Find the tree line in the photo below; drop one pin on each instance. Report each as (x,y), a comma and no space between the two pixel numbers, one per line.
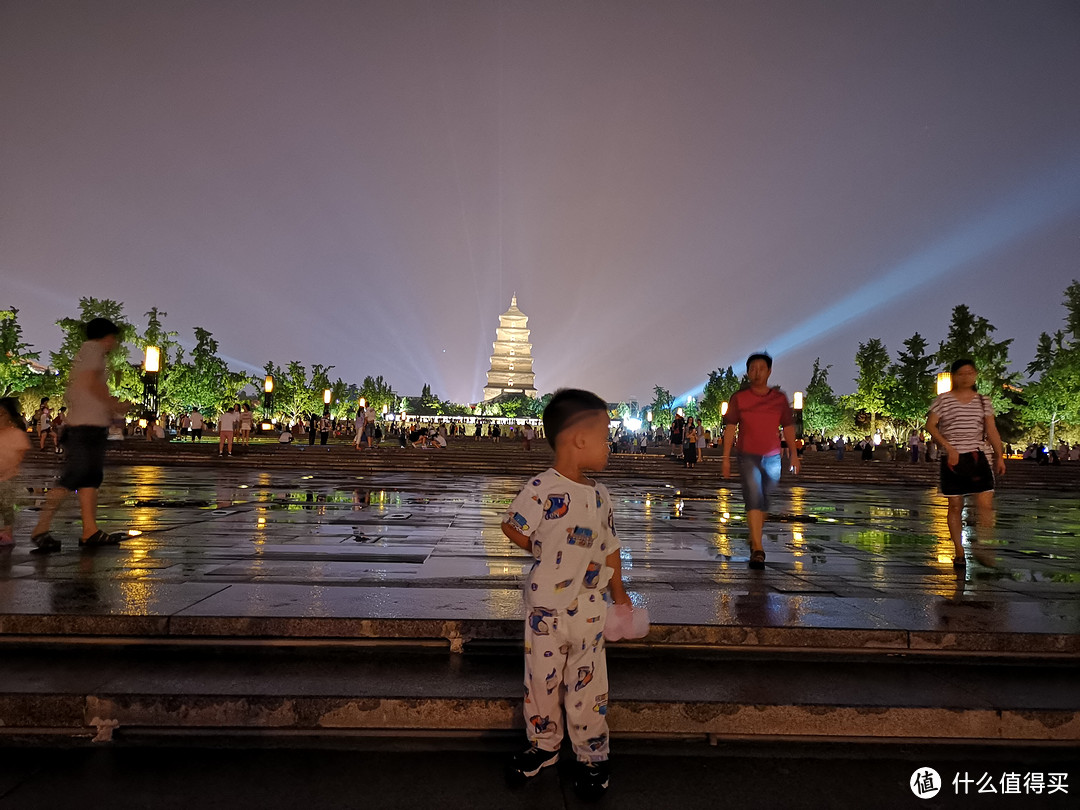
(892,394)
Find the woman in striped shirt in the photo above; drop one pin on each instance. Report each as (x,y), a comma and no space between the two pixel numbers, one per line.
(961,421)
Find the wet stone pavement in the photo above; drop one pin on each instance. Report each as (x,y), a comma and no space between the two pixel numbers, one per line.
(278,544)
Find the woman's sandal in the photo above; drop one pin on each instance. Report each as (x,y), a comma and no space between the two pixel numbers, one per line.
(959,563)
(757,560)
(99,538)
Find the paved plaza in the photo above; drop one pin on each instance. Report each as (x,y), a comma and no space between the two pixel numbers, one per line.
(212,543)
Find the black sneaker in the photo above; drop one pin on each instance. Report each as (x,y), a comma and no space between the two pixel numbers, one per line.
(528,763)
(591,779)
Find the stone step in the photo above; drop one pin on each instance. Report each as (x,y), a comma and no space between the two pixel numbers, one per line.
(104,690)
(460,635)
(463,457)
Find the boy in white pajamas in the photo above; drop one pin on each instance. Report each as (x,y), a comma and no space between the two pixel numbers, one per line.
(565,520)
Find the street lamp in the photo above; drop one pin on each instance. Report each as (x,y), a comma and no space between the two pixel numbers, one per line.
(944,382)
(363,402)
(723,408)
(797,405)
(326,396)
(151,371)
(268,398)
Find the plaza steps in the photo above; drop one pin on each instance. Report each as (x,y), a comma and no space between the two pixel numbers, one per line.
(110,690)
(463,456)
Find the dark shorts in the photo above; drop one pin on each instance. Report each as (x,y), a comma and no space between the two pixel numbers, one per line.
(971,474)
(84,456)
(759,476)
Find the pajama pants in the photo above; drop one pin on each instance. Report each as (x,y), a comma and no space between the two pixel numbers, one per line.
(566,684)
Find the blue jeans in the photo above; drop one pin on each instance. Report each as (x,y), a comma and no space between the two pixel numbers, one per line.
(759,476)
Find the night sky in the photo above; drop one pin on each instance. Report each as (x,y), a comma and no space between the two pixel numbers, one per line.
(665,185)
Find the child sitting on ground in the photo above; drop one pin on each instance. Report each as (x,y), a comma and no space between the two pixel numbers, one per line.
(13,446)
(565,520)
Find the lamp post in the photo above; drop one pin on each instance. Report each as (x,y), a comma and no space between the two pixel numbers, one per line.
(797,406)
(327,394)
(268,398)
(151,371)
(944,382)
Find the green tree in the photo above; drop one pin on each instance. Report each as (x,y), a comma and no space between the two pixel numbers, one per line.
(123,377)
(972,336)
(873,381)
(205,382)
(378,393)
(1052,397)
(721,387)
(822,412)
(17,374)
(662,407)
(913,391)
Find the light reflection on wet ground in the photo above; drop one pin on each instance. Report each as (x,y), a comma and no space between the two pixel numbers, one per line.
(250,542)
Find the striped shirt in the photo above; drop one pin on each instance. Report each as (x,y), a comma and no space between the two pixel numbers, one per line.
(963,426)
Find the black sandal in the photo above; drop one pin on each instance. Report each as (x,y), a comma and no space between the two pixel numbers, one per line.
(99,538)
(45,542)
(757,560)
(959,563)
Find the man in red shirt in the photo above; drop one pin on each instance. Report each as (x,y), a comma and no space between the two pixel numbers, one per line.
(760,412)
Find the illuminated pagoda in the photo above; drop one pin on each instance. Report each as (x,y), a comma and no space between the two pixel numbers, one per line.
(511,369)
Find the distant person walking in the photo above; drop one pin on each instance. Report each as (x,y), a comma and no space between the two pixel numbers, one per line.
(961,423)
(757,412)
(13,446)
(247,421)
(43,422)
(690,449)
(91,410)
(58,423)
(196,425)
(226,427)
(313,428)
(370,423)
(324,427)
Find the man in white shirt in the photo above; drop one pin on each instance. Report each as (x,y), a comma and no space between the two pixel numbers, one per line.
(90,412)
(196,425)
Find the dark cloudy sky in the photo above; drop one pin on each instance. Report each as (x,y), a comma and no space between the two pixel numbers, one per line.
(666,185)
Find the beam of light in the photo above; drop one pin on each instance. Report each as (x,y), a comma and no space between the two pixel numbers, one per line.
(1050,198)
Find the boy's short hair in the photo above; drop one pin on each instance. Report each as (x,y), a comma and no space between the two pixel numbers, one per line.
(959,364)
(101,327)
(11,405)
(759,356)
(564,409)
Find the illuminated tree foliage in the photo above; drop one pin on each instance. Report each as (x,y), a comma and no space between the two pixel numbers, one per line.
(722,385)
(972,336)
(822,412)
(662,407)
(1052,398)
(874,382)
(16,372)
(913,385)
(205,382)
(123,377)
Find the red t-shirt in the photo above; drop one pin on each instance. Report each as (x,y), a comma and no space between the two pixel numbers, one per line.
(759,419)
